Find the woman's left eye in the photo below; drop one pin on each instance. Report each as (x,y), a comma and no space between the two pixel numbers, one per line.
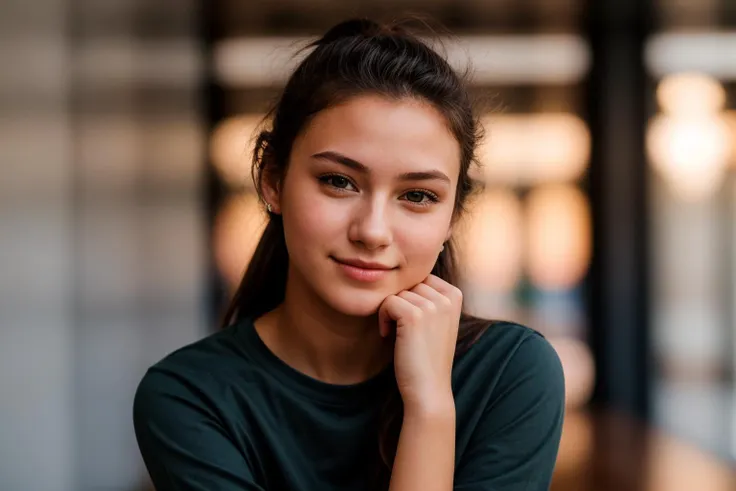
(418,197)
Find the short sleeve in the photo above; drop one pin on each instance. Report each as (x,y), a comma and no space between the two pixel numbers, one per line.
(514,447)
(183,445)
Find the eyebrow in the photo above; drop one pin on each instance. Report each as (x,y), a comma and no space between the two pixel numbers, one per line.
(363,169)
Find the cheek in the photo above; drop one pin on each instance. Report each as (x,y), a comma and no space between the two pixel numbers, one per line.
(310,222)
(421,243)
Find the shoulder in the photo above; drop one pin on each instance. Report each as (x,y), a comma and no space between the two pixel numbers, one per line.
(188,428)
(193,374)
(222,345)
(528,349)
(511,406)
(508,356)
(215,355)
(515,344)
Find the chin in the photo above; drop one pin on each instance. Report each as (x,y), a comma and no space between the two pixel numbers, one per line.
(357,303)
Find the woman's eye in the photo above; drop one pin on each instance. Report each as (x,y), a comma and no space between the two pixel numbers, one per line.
(415,196)
(423,198)
(337,181)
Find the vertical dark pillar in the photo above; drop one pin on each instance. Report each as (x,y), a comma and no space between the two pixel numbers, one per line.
(618,93)
(213,100)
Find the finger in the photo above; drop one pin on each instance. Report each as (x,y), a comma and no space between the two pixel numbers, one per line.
(417,300)
(393,310)
(450,291)
(431,294)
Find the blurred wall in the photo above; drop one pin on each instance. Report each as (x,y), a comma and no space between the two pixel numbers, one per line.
(100,226)
(36,213)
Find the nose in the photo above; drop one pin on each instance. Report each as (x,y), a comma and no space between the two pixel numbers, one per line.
(370,225)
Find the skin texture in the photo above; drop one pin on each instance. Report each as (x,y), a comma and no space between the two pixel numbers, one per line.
(374,179)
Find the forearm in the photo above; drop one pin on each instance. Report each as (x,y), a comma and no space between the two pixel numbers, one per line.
(425,456)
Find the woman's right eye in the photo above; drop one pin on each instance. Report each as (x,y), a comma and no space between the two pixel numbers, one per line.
(337,181)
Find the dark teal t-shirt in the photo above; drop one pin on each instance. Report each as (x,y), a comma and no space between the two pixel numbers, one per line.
(225,414)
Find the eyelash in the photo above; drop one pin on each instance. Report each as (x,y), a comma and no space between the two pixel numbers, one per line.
(431,197)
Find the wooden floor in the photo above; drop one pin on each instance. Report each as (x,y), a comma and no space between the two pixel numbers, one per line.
(609,452)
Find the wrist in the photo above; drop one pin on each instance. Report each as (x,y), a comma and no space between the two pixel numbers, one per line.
(439,407)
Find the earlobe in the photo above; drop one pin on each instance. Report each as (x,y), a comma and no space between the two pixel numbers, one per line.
(271,208)
(270,193)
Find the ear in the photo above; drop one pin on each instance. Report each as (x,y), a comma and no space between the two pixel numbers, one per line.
(271,190)
(449,233)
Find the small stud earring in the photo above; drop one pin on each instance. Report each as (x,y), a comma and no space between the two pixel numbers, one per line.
(269,208)
(442,248)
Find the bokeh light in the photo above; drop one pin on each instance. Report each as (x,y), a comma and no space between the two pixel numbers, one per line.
(231,148)
(691,153)
(579,368)
(238,228)
(535,148)
(690,144)
(690,94)
(490,241)
(558,241)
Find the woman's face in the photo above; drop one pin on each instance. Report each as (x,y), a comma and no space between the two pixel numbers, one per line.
(367,200)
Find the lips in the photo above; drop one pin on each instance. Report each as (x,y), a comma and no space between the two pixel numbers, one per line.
(358,263)
(362,271)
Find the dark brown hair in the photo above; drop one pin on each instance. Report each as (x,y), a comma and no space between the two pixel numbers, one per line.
(357,57)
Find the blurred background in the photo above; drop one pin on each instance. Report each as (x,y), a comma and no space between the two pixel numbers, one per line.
(608,220)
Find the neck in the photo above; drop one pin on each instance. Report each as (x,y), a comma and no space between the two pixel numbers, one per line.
(315,339)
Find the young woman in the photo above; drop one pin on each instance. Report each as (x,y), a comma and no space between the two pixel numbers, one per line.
(346,361)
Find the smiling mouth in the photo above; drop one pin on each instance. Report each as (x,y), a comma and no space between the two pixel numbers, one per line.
(357,263)
(362,271)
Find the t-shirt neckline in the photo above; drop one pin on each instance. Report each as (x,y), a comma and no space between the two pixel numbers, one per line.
(334,394)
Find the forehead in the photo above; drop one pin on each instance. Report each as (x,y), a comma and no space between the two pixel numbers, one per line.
(385,134)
